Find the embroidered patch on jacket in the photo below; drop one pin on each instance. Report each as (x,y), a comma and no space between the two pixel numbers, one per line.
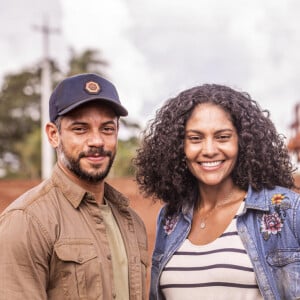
(272,222)
(170,224)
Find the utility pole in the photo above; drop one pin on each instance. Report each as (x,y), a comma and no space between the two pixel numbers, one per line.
(47,156)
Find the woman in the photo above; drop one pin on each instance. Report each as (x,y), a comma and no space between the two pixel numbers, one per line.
(230,227)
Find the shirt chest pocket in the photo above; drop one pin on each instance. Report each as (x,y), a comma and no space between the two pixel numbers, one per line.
(286,267)
(77,270)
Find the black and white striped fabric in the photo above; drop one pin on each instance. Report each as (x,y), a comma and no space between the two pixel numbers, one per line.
(218,270)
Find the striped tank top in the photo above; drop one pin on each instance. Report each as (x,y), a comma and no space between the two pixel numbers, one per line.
(218,270)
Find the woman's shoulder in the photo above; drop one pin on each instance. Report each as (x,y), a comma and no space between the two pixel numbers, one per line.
(268,193)
(282,192)
(279,197)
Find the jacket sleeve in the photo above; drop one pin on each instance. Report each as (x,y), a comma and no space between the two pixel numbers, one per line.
(23,257)
(297,220)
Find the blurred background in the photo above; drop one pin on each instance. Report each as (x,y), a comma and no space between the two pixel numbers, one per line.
(151,50)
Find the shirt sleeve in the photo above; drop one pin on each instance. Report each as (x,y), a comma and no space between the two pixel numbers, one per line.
(24,255)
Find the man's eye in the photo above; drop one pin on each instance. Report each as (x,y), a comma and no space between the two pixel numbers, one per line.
(78,129)
(109,129)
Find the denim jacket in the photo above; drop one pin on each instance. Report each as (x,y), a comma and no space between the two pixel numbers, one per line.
(269,228)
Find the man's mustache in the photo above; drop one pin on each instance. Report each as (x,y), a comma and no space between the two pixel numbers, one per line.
(96,151)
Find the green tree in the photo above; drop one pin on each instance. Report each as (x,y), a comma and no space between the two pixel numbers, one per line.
(90,61)
(19,119)
(30,155)
(122,166)
(20,132)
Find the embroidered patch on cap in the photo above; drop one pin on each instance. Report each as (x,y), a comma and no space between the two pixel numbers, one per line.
(92,87)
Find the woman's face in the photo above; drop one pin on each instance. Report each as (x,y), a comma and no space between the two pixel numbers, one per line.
(211,144)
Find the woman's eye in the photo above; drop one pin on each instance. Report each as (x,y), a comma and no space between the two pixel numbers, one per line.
(224,137)
(194,138)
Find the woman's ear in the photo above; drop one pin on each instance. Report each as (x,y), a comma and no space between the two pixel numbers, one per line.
(53,134)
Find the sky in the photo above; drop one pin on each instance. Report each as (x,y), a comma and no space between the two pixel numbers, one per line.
(158,48)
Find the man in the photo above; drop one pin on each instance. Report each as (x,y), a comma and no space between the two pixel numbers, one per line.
(74,236)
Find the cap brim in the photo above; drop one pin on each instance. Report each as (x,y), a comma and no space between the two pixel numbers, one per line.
(119,109)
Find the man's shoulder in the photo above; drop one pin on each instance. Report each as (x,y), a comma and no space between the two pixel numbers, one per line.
(31,198)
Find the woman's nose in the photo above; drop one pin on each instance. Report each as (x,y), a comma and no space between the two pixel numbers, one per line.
(209,147)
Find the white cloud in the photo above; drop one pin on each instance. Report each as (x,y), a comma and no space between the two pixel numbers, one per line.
(21,44)
(105,25)
(157,48)
(250,45)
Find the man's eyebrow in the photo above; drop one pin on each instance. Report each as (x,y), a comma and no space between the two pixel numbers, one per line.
(78,123)
(109,122)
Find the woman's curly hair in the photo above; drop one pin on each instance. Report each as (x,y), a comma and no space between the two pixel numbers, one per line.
(161,169)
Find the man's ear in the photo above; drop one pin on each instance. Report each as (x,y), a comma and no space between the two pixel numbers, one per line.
(53,134)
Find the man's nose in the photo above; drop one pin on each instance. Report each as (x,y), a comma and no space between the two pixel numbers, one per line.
(95,139)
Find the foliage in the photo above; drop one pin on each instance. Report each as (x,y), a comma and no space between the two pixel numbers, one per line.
(122,166)
(20,133)
(19,107)
(90,61)
(30,158)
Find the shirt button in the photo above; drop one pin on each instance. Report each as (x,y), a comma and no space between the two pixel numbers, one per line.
(80,259)
(108,257)
(98,221)
(114,295)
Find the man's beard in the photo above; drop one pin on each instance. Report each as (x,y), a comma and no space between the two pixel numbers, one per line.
(74,164)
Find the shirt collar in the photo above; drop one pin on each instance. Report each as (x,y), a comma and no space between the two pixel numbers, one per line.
(73,192)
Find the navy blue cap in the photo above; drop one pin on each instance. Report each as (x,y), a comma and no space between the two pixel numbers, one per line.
(79,89)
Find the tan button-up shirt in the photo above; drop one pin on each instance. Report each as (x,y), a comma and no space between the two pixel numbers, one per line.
(54,245)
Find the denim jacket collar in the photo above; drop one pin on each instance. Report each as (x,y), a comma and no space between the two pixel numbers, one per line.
(257,200)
